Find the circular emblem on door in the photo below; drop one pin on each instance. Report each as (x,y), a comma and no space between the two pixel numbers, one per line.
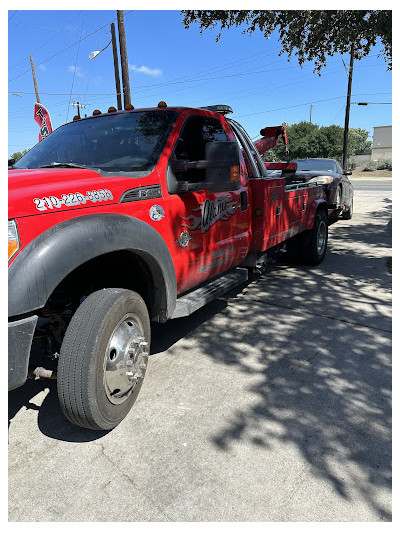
(184,239)
(156,212)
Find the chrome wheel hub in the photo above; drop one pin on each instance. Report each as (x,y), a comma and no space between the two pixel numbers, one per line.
(125,359)
(321,238)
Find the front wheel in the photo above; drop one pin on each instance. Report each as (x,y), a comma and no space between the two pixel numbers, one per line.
(347,215)
(103,358)
(315,240)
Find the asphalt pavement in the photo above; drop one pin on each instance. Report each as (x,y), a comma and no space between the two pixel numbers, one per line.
(272,404)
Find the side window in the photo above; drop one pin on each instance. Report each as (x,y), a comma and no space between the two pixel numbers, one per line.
(191,145)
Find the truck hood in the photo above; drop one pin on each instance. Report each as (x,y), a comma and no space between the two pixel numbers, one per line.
(29,189)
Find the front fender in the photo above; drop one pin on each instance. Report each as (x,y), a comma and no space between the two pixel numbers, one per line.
(50,257)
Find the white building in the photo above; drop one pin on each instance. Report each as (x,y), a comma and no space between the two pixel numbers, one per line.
(382,143)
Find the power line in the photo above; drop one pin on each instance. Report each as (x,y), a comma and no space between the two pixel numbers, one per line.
(13,15)
(76,62)
(67,48)
(44,44)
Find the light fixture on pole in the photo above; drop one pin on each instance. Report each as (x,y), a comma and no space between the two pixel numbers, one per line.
(94,54)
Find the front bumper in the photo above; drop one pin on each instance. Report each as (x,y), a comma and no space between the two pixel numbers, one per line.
(20,335)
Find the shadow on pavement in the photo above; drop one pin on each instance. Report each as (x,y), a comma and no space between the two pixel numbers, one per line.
(322,364)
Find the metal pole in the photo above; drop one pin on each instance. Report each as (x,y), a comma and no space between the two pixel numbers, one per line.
(124,57)
(116,68)
(347,117)
(34,81)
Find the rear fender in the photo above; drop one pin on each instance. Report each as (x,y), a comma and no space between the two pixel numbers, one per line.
(49,258)
(316,205)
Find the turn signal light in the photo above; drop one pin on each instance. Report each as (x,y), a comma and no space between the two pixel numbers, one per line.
(235,173)
(162,104)
(13,238)
(128,106)
(96,112)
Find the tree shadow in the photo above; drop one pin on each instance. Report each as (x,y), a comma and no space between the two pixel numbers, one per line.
(316,343)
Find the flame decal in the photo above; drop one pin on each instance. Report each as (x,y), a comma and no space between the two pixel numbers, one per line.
(210,212)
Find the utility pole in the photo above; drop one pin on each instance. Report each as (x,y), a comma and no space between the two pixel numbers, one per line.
(124,57)
(347,117)
(78,105)
(311,106)
(34,81)
(116,69)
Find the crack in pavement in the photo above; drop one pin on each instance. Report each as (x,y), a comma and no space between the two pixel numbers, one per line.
(131,481)
(322,315)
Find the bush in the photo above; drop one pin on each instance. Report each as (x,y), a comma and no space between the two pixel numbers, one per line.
(352,163)
(370,166)
(384,164)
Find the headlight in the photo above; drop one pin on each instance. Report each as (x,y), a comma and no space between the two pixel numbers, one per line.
(13,238)
(321,179)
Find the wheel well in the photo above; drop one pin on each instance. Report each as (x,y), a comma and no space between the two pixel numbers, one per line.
(121,269)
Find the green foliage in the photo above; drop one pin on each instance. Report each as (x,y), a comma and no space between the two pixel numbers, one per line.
(310,35)
(17,155)
(370,166)
(358,142)
(309,140)
(384,164)
(352,163)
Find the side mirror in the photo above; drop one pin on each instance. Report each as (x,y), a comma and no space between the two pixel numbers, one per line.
(223,166)
(11,162)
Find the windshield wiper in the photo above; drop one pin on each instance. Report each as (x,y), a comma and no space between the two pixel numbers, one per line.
(63,165)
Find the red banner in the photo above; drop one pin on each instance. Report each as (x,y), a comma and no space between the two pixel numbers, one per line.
(42,117)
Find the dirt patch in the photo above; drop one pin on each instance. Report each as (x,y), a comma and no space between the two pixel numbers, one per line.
(359,173)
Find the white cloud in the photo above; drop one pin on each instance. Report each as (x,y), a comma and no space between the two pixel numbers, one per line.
(146,70)
(42,67)
(78,71)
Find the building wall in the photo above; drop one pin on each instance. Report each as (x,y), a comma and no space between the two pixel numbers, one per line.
(362,158)
(382,143)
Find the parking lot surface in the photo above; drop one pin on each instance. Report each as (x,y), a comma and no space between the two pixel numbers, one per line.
(272,404)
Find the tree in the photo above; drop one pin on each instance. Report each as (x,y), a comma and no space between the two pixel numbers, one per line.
(17,155)
(309,140)
(310,35)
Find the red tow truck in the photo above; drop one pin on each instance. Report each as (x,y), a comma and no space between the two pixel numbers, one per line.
(133,216)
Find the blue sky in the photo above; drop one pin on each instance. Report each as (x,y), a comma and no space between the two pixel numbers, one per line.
(182,67)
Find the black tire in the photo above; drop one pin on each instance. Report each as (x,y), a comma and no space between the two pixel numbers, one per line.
(294,249)
(347,215)
(315,240)
(103,358)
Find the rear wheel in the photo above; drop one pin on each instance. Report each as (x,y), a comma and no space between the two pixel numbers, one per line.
(103,358)
(315,240)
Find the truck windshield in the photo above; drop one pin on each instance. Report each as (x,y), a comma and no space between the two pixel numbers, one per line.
(120,142)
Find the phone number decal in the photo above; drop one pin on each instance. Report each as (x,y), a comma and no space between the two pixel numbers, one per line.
(70,199)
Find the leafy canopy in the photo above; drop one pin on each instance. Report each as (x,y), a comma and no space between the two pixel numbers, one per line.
(310,35)
(309,140)
(17,155)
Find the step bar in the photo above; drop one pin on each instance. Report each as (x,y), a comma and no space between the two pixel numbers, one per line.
(194,300)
